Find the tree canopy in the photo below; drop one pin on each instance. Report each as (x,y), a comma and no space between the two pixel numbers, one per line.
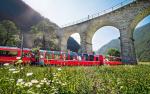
(44,34)
(113,52)
(9,33)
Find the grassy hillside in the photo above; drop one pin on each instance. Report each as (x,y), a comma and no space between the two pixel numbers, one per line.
(142,43)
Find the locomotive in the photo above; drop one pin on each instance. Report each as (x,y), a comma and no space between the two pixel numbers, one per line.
(57,58)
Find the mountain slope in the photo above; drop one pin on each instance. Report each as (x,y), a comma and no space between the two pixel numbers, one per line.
(142,43)
(112,44)
(24,17)
(20,13)
(73,45)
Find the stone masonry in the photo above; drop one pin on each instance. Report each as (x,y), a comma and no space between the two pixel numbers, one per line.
(125,19)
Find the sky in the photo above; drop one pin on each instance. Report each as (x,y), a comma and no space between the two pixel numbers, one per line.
(63,12)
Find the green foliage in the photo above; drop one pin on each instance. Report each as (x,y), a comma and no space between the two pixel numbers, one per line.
(9,34)
(45,36)
(113,52)
(129,79)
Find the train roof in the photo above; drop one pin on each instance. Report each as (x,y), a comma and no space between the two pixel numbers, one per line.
(12,48)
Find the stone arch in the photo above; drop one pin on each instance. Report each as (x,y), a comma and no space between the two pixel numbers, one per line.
(116,30)
(86,39)
(142,27)
(97,24)
(141,15)
(64,39)
(139,18)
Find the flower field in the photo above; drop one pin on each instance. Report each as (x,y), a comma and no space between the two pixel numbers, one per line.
(125,79)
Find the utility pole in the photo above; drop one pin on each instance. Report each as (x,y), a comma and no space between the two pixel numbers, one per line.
(21,45)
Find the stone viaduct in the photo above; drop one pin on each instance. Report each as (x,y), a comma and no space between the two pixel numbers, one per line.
(124,18)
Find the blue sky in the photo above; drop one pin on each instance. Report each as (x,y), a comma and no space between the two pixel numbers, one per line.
(65,11)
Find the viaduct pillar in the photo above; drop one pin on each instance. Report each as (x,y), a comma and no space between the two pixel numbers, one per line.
(63,43)
(127,46)
(86,45)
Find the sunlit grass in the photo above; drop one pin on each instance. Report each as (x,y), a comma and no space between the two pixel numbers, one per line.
(144,63)
(75,80)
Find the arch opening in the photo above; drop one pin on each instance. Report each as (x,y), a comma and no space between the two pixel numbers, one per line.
(142,40)
(105,38)
(73,43)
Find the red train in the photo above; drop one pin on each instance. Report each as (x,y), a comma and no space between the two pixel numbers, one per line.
(44,57)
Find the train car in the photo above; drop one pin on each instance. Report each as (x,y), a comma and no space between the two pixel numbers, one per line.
(57,58)
(11,54)
(70,59)
(112,60)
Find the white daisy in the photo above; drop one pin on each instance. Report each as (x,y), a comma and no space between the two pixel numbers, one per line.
(6,64)
(34,81)
(29,74)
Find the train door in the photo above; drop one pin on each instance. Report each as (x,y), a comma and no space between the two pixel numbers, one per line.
(41,57)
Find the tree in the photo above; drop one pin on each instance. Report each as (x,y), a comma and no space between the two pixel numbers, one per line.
(9,34)
(113,52)
(45,36)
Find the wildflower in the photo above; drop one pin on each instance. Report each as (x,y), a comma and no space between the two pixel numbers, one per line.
(34,81)
(45,79)
(38,86)
(21,68)
(29,74)
(6,64)
(47,83)
(41,83)
(19,61)
(59,69)
(20,84)
(16,71)
(18,58)
(64,84)
(28,84)
(19,80)
(31,92)
(11,79)
(121,87)
(12,69)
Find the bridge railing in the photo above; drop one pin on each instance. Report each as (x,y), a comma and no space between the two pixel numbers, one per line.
(89,17)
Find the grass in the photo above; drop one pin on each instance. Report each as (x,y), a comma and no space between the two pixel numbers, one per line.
(125,79)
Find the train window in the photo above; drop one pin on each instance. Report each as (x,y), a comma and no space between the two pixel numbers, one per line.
(96,58)
(79,57)
(41,54)
(26,54)
(85,57)
(73,56)
(56,55)
(91,57)
(49,56)
(65,56)
(8,53)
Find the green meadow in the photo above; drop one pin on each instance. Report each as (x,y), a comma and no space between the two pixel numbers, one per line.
(124,79)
